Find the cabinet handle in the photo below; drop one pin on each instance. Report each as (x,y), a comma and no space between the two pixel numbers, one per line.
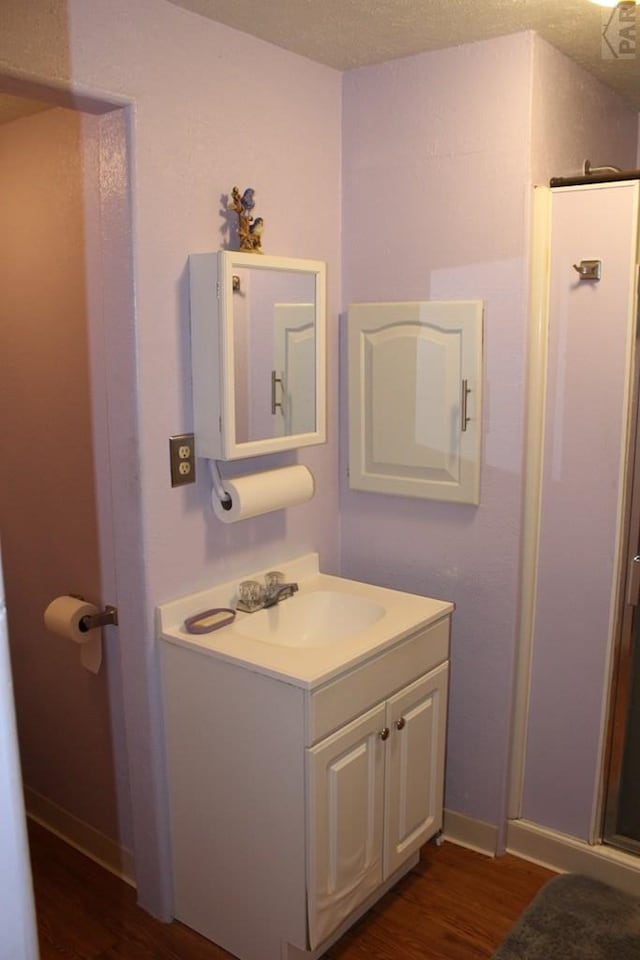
(384,733)
(275,404)
(466,390)
(400,723)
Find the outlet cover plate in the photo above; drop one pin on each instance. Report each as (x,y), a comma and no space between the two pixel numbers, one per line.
(182,452)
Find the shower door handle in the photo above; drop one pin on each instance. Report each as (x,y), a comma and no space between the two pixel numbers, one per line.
(633,594)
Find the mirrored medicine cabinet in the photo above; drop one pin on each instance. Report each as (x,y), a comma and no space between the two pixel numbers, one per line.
(258,339)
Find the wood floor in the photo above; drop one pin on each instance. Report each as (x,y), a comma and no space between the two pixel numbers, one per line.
(455,905)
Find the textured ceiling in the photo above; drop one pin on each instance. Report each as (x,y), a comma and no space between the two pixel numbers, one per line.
(354,33)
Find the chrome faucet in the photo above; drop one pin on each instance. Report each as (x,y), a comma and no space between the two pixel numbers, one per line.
(257,596)
(281,592)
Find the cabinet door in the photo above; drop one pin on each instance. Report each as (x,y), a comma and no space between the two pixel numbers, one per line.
(345,778)
(414,778)
(415,384)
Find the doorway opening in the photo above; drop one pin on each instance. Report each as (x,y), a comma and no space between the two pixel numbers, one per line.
(67,322)
(621,813)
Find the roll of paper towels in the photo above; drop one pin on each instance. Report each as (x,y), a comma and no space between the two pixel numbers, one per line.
(63,616)
(259,493)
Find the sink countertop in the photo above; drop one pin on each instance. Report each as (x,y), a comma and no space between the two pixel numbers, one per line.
(306,667)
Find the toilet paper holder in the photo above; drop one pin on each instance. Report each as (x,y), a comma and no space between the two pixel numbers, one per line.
(108,617)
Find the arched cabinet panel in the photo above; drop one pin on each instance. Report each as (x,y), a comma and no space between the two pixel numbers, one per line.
(415,391)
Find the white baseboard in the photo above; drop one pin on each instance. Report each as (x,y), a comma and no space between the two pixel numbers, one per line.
(569,855)
(81,835)
(468,832)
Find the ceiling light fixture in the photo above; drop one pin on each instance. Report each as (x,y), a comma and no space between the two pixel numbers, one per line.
(615,3)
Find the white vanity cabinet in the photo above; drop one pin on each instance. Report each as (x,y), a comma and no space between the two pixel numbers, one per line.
(374,797)
(295,804)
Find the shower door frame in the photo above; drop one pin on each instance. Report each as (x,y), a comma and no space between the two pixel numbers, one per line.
(522,835)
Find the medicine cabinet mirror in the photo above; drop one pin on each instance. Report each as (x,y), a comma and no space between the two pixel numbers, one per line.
(258,329)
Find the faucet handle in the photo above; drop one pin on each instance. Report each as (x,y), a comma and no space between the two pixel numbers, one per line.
(273,579)
(251,595)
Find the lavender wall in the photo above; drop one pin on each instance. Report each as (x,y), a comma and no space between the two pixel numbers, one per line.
(211,108)
(440,151)
(575,118)
(435,206)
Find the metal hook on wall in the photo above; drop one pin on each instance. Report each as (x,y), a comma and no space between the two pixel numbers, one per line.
(589,269)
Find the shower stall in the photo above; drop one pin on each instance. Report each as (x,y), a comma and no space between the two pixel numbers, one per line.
(576,744)
(621,820)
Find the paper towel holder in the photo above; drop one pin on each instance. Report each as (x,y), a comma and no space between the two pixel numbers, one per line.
(218,487)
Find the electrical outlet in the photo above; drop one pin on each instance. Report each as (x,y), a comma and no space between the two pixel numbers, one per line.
(182,451)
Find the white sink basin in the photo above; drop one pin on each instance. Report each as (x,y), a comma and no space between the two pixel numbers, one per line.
(317,619)
(330,625)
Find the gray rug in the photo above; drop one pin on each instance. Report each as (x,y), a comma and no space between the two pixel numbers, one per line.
(576,918)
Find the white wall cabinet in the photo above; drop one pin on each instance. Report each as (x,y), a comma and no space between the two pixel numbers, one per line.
(294,808)
(259,376)
(415,399)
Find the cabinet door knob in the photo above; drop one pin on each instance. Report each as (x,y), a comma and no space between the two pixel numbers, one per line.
(400,722)
(384,733)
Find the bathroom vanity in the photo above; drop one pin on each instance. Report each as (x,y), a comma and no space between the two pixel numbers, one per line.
(305,753)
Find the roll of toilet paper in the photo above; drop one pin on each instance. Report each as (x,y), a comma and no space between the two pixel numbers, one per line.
(260,493)
(63,616)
